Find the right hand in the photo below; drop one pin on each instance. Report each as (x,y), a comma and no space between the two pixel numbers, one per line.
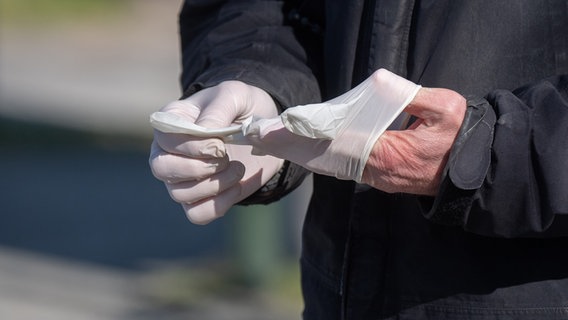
(206,176)
(413,160)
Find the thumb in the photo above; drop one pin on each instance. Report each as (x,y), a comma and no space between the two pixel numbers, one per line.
(217,113)
(225,104)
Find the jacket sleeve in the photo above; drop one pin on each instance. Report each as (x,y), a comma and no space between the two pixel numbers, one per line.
(250,41)
(507,175)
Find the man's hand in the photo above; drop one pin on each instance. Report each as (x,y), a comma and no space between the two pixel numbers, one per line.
(412,160)
(206,176)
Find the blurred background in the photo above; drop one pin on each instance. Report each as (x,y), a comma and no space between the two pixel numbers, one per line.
(86,232)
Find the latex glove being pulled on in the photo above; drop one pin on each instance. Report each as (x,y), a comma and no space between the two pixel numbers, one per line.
(335,138)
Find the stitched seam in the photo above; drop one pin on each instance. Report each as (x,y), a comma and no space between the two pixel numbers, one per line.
(495,310)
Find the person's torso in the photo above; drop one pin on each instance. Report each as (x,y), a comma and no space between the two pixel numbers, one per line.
(376,251)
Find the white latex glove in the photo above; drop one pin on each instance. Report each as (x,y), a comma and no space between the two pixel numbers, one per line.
(336,137)
(204,174)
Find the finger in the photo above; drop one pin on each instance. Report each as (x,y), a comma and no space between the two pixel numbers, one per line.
(187,108)
(189,146)
(218,114)
(209,209)
(422,104)
(434,104)
(174,168)
(224,108)
(193,191)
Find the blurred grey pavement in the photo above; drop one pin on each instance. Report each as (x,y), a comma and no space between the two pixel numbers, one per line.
(85,231)
(36,287)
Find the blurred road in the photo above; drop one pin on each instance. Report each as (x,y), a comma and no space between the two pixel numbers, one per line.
(36,287)
(84,233)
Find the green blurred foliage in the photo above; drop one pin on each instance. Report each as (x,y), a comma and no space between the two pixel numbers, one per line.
(198,284)
(34,12)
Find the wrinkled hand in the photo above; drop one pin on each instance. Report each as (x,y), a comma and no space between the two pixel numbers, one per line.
(336,137)
(412,160)
(204,174)
(409,161)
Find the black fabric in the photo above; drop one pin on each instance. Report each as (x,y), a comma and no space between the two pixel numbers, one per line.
(288,178)
(248,41)
(529,184)
(491,244)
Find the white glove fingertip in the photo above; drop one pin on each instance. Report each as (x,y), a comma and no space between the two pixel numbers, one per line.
(198,213)
(204,212)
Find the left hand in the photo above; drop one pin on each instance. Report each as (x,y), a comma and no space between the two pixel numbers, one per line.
(412,160)
(203,174)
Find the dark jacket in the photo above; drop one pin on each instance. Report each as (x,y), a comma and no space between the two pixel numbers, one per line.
(493,244)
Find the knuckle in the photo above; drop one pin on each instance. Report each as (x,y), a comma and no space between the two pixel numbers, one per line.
(159,170)
(457,107)
(453,106)
(234,86)
(172,106)
(380,76)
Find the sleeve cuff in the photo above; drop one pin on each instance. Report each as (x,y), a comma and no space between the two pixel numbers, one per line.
(467,167)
